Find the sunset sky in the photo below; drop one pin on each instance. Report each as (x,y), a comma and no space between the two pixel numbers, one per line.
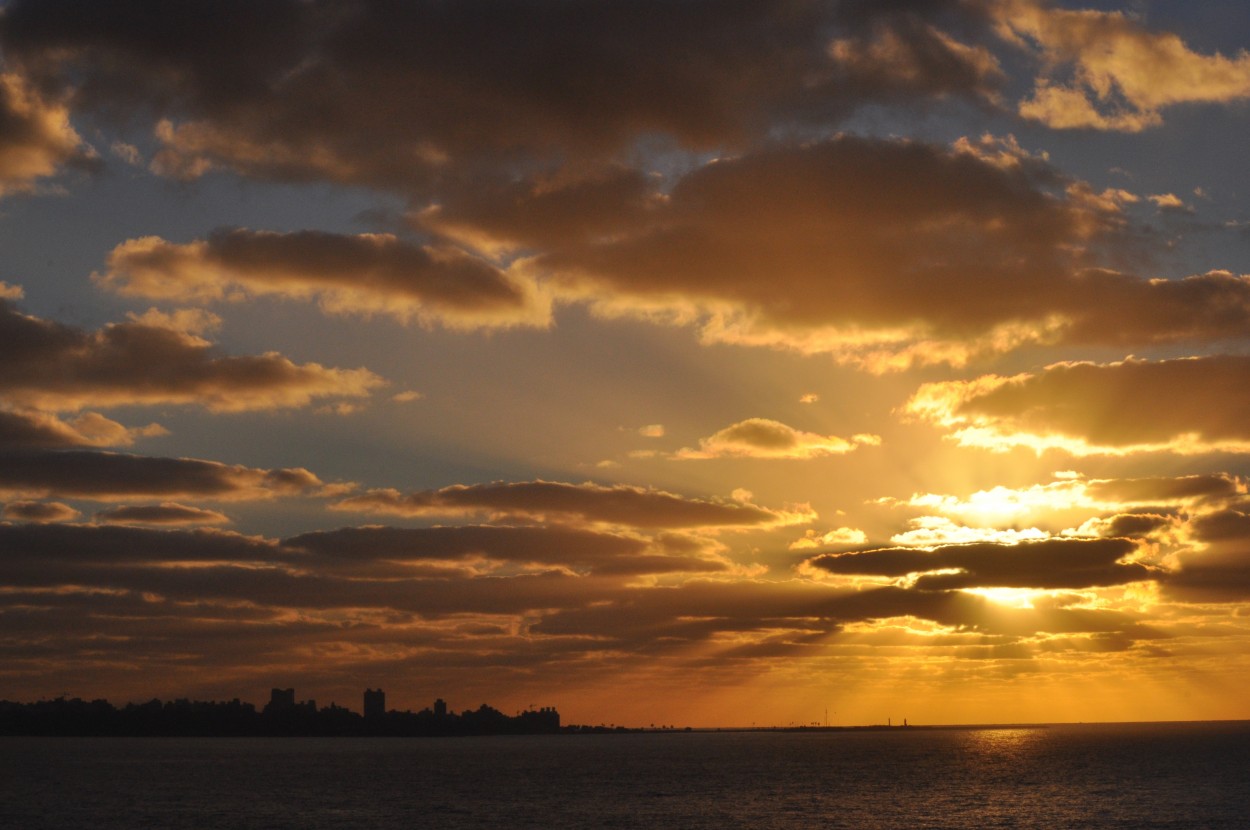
(705,362)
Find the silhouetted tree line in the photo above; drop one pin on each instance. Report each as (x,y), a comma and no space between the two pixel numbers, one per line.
(183,717)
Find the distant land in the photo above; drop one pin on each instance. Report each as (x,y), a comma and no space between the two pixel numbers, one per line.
(283,716)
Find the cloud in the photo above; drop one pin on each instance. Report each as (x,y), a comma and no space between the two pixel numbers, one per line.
(361,274)
(905,52)
(1119,75)
(926,531)
(765,438)
(1000,505)
(39,511)
(289,90)
(799,247)
(1170,202)
(846,536)
(621,505)
(41,430)
(165,513)
(1217,569)
(583,551)
(56,367)
(36,138)
(1045,564)
(108,476)
(1185,406)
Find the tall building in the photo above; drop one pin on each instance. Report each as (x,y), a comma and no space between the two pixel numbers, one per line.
(375,703)
(440,708)
(281,698)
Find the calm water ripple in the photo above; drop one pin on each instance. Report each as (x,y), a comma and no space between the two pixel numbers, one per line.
(1106,776)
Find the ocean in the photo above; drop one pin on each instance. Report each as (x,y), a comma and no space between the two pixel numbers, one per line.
(1182,775)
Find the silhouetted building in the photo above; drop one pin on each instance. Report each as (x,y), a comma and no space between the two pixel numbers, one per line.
(281,699)
(546,719)
(375,703)
(440,708)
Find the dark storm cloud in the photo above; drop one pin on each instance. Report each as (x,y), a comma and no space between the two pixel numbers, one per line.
(107,476)
(394,93)
(1052,563)
(57,367)
(619,505)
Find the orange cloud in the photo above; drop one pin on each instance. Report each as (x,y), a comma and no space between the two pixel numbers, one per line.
(1121,75)
(41,430)
(165,513)
(55,367)
(39,511)
(621,505)
(37,139)
(1186,406)
(799,248)
(765,438)
(363,274)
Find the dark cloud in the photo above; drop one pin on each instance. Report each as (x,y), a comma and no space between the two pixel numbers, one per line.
(1219,570)
(363,274)
(166,513)
(396,93)
(1207,487)
(56,367)
(618,505)
(1048,564)
(108,476)
(1134,525)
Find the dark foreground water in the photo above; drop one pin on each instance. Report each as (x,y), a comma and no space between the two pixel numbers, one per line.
(1128,776)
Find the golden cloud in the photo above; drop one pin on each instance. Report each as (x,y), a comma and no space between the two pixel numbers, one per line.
(1186,406)
(801,248)
(42,430)
(766,438)
(37,138)
(1122,76)
(363,274)
(165,513)
(621,505)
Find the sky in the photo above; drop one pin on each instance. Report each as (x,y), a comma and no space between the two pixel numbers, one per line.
(695,362)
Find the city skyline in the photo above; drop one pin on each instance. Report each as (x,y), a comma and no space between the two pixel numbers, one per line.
(694,361)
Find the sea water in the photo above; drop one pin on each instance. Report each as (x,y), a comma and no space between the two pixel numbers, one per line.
(1194,775)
